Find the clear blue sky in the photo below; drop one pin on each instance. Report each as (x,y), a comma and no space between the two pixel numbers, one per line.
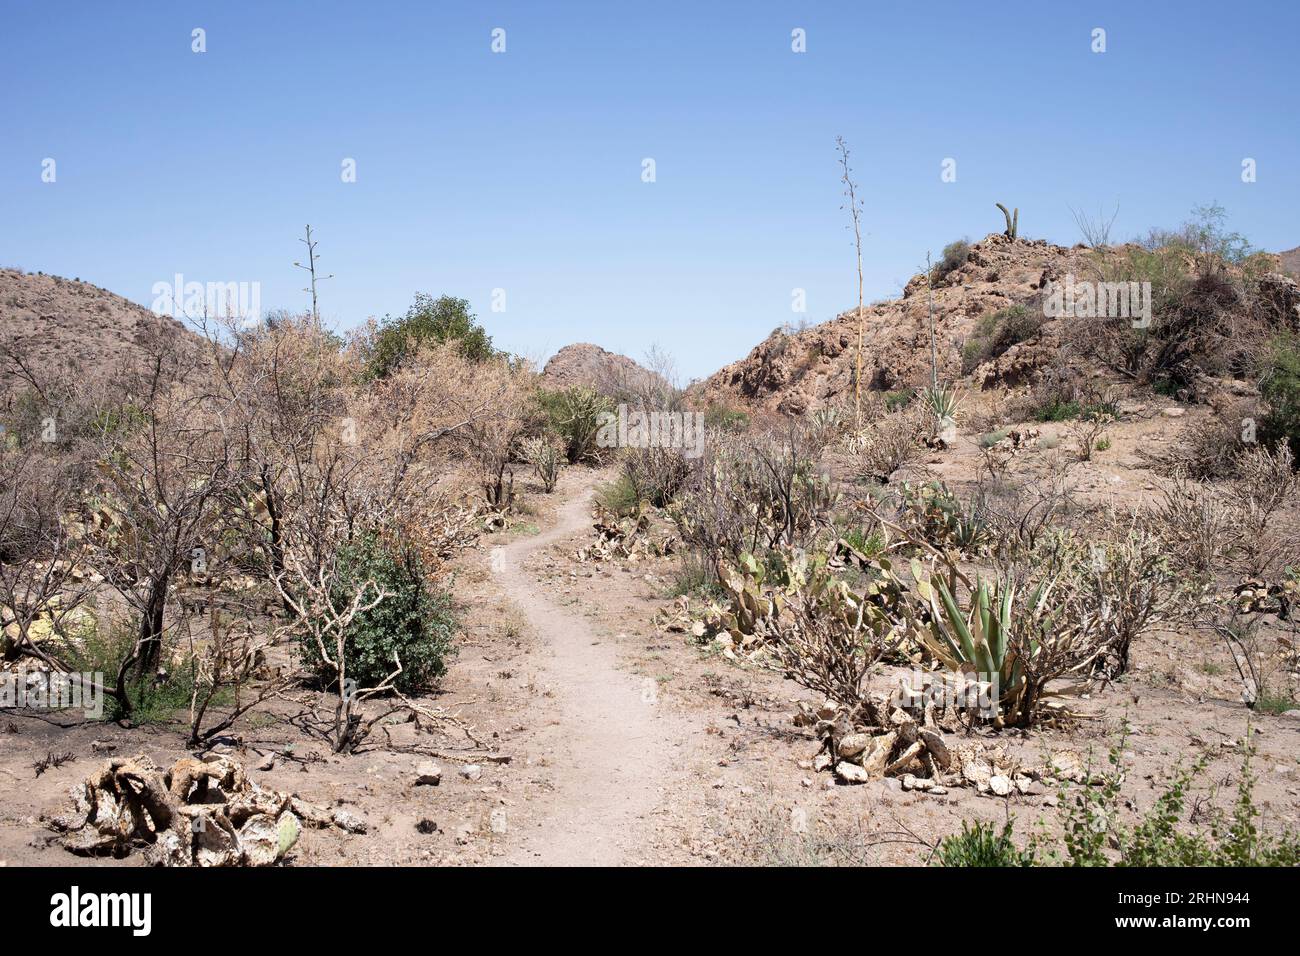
(522,170)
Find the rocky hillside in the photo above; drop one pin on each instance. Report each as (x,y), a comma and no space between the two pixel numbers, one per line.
(793,373)
(54,322)
(1291,261)
(607,372)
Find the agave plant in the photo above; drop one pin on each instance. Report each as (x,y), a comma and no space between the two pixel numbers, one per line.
(1016,648)
(826,423)
(942,402)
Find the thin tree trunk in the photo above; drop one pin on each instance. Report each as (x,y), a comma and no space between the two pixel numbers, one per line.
(151,627)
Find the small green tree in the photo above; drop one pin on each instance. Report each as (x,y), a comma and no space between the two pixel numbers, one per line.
(428,320)
(413,622)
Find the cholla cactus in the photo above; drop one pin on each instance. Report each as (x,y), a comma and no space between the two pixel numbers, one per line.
(546,458)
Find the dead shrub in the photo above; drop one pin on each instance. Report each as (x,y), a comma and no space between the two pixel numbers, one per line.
(1267,483)
(1211,446)
(656,475)
(1194,526)
(889,443)
(1126,587)
(753,494)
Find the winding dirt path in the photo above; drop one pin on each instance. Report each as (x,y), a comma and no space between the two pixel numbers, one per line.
(613,750)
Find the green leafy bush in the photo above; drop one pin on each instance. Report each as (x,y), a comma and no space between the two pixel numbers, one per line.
(619,496)
(154,698)
(724,418)
(576,415)
(427,321)
(415,622)
(954,256)
(997,332)
(1162,837)
(989,439)
(900,399)
(870,544)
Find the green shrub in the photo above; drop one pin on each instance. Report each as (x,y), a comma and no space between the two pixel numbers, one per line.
(618,496)
(954,257)
(997,332)
(1162,837)
(870,545)
(900,399)
(1057,411)
(156,698)
(428,320)
(1280,386)
(982,845)
(414,622)
(989,439)
(695,576)
(724,418)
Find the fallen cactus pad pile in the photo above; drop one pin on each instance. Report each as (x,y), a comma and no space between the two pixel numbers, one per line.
(197,813)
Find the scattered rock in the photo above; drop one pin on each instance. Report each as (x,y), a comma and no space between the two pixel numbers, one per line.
(471,771)
(853,744)
(428,774)
(851,773)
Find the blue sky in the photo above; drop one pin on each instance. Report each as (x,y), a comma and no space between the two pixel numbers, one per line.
(523,170)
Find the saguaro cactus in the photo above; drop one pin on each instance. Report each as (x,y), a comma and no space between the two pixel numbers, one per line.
(1013,221)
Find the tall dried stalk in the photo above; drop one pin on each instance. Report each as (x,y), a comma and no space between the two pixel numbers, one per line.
(855,210)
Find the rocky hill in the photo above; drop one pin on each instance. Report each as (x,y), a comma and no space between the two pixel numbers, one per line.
(795,372)
(594,367)
(1291,261)
(91,333)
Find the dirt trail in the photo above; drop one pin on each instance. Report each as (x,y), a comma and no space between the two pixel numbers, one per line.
(614,748)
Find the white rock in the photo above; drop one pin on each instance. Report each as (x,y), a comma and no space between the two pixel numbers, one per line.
(851,772)
(471,771)
(428,774)
(853,744)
